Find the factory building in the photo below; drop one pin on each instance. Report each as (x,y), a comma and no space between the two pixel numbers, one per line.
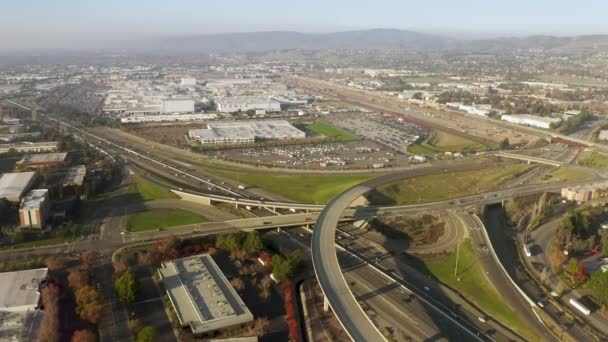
(202,297)
(14,185)
(244,103)
(244,132)
(168,118)
(34,209)
(177,106)
(531,120)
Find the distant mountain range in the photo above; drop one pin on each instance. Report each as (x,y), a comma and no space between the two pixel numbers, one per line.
(375,39)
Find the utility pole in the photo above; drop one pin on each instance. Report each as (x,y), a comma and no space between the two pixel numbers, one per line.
(457,255)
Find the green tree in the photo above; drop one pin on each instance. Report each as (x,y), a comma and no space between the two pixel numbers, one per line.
(230,243)
(599,286)
(282,269)
(605,246)
(126,287)
(253,244)
(146,334)
(504,143)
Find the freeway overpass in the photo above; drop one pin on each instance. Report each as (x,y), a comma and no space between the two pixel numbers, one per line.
(529,159)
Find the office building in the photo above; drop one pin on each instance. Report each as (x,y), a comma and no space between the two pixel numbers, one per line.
(75,176)
(14,185)
(168,118)
(584,193)
(34,209)
(201,295)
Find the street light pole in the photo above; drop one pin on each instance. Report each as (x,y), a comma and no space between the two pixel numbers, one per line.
(457,255)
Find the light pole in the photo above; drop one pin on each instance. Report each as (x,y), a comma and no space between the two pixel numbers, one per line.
(457,255)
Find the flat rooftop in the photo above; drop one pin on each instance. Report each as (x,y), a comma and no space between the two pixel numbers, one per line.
(44,158)
(15,184)
(33,199)
(75,175)
(265,129)
(201,295)
(20,288)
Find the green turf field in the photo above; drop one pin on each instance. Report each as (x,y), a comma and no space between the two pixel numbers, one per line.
(331,131)
(162,218)
(149,191)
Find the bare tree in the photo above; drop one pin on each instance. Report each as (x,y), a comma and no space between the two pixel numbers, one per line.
(238,284)
(78,279)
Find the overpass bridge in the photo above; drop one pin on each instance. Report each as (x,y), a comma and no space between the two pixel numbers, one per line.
(529,159)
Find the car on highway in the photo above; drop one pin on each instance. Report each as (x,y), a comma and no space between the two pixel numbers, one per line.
(482,319)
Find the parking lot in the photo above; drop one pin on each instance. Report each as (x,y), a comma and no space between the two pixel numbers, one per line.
(391,132)
(355,154)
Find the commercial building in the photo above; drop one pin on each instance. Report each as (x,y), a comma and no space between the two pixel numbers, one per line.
(34,209)
(531,120)
(584,193)
(177,106)
(19,303)
(75,176)
(243,132)
(14,185)
(46,159)
(244,103)
(29,147)
(168,118)
(201,295)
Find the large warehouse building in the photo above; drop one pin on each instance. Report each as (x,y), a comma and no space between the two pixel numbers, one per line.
(14,185)
(244,103)
(201,295)
(41,160)
(244,132)
(177,106)
(530,120)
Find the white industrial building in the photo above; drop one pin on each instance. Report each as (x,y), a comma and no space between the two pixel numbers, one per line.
(530,120)
(29,147)
(177,106)
(201,295)
(244,103)
(188,81)
(14,185)
(243,132)
(19,303)
(167,118)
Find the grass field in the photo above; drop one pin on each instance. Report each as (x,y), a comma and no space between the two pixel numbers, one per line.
(162,218)
(565,173)
(331,131)
(149,191)
(439,141)
(315,189)
(592,159)
(473,285)
(439,187)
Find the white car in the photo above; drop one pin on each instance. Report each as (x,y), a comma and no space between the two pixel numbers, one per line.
(482,319)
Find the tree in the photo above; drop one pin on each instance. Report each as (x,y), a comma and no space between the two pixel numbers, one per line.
(253,244)
(89,304)
(49,328)
(599,286)
(282,269)
(84,336)
(78,279)
(126,287)
(238,284)
(55,263)
(146,334)
(230,243)
(504,143)
(86,258)
(605,246)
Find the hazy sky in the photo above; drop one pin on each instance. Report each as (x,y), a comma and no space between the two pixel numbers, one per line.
(64,23)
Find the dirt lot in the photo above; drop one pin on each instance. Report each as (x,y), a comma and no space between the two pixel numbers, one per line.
(416,230)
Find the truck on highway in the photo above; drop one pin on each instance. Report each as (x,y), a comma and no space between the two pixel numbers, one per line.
(580,307)
(527,250)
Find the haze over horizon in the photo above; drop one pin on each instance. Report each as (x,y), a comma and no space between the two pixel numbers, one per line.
(67,24)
